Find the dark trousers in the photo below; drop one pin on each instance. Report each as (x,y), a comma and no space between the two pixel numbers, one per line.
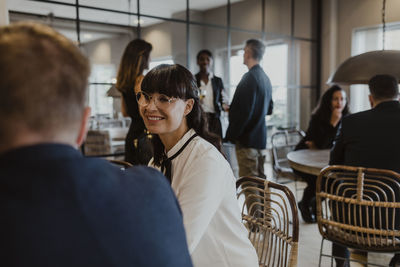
(343,252)
(309,192)
(214,124)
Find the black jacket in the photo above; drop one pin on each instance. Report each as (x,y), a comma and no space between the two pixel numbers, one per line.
(218,87)
(59,208)
(319,131)
(248,110)
(370,138)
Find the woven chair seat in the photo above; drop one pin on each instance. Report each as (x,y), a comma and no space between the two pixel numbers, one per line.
(364,241)
(359,207)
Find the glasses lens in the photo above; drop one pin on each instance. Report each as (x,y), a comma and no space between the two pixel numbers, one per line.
(142,98)
(163,101)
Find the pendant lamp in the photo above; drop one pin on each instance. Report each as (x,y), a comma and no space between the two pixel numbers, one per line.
(361,68)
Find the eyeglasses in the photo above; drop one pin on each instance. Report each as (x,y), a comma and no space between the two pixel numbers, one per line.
(160,100)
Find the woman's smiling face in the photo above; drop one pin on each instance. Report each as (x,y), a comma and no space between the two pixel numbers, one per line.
(166,119)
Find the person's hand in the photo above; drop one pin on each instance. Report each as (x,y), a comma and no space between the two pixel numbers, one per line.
(336,116)
(225,107)
(311,145)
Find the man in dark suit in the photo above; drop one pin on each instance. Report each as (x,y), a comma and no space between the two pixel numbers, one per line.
(212,95)
(247,113)
(57,207)
(371,138)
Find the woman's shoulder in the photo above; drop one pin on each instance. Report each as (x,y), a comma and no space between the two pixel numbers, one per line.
(207,151)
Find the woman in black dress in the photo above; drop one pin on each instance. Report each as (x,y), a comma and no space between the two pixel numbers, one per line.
(320,134)
(135,60)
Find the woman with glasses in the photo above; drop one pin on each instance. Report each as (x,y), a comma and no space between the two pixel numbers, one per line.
(192,161)
(136,57)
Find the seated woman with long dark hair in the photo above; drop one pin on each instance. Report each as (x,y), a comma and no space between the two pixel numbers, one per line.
(320,135)
(192,161)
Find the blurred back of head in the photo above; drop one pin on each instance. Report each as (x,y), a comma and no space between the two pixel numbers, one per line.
(383,87)
(43,81)
(257,48)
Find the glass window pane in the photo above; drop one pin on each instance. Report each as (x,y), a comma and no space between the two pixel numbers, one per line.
(208,11)
(275,65)
(108,17)
(104,56)
(121,5)
(40,8)
(213,39)
(247,15)
(304,62)
(304,17)
(165,9)
(306,106)
(278,16)
(168,40)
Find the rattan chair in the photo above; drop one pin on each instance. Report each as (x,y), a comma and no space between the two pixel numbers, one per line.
(271,220)
(359,208)
(120,163)
(284,142)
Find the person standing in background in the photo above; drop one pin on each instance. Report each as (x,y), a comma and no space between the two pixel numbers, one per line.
(211,92)
(247,113)
(136,57)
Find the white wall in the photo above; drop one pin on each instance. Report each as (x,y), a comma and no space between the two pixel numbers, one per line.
(3,13)
(338,26)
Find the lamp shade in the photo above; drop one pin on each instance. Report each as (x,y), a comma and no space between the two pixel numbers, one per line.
(113,92)
(361,68)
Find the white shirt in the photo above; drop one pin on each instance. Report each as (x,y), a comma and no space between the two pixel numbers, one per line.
(205,188)
(207,103)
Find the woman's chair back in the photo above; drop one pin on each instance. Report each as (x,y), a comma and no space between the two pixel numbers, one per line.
(282,143)
(359,207)
(271,219)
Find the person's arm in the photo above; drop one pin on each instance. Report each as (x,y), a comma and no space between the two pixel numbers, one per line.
(200,196)
(337,152)
(224,96)
(242,107)
(319,134)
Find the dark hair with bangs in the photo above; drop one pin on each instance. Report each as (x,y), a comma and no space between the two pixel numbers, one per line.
(324,109)
(177,81)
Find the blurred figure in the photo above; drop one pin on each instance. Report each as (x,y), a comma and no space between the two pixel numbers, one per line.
(134,61)
(57,207)
(211,92)
(191,159)
(321,131)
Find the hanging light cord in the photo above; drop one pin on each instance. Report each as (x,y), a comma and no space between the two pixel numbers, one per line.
(383,24)
(129,10)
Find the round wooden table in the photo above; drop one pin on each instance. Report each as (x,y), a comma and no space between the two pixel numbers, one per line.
(310,161)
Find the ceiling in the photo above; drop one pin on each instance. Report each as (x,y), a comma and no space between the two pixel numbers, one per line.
(159,8)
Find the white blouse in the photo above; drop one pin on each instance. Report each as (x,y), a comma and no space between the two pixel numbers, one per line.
(204,184)
(208,102)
